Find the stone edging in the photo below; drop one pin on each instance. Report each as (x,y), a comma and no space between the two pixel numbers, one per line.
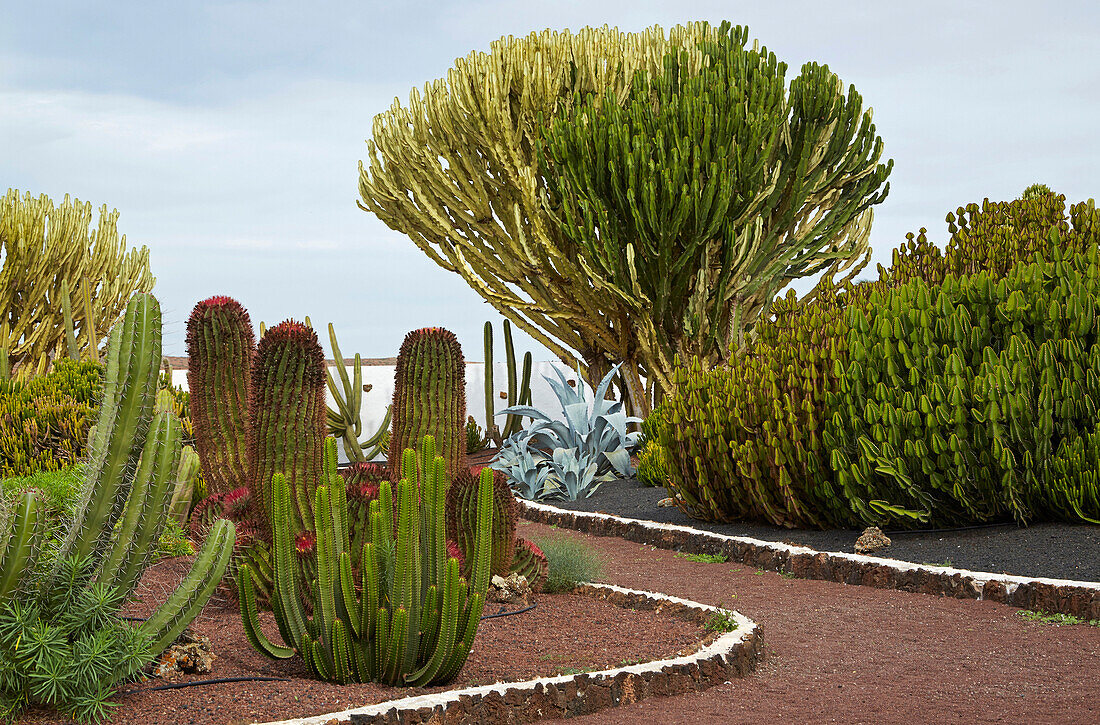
(732,654)
(1064,596)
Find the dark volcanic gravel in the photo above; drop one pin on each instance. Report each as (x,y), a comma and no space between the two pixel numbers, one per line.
(1059,551)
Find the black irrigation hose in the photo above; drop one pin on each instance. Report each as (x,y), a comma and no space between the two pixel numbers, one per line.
(508,614)
(196,683)
(898,532)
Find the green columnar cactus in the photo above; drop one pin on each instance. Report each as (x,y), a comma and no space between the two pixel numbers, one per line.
(220,347)
(67,318)
(513,422)
(414,619)
(462,512)
(429,397)
(118,520)
(346,421)
(287,414)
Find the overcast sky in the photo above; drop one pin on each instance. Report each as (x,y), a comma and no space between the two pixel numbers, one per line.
(228,135)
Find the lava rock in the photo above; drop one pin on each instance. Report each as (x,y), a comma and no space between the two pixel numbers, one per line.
(871,540)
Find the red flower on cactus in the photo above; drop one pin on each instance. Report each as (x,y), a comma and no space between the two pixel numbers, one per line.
(305,543)
(454,552)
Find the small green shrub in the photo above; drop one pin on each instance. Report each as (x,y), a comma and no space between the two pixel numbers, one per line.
(571,562)
(722,620)
(704,558)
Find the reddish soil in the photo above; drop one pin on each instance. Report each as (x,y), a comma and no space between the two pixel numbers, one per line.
(852,654)
(564,633)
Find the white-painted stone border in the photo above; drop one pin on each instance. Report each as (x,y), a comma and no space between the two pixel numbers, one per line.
(724,647)
(674,535)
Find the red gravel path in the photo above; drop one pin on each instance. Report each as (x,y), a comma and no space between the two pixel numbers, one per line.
(852,654)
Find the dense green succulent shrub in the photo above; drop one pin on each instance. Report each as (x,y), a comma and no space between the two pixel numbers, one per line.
(957,399)
(570,562)
(956,388)
(44,420)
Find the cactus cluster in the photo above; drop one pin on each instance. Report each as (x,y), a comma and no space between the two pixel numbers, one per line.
(410,619)
(133,458)
(429,397)
(957,388)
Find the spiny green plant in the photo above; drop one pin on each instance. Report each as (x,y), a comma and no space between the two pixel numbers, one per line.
(48,593)
(287,412)
(429,397)
(462,512)
(413,618)
(220,347)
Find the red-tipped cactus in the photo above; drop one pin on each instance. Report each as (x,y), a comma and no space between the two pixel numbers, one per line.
(220,346)
(462,519)
(531,563)
(287,409)
(429,398)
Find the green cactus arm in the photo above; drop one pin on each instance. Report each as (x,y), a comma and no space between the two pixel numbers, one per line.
(448,627)
(324,611)
(184,491)
(381,639)
(340,655)
(348,604)
(185,603)
(23,535)
(292,623)
(395,646)
(490,389)
(133,364)
(369,567)
(251,619)
(145,514)
(67,317)
(430,618)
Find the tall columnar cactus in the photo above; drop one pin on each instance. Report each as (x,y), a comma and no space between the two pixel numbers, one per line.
(517,394)
(429,397)
(220,347)
(462,499)
(414,618)
(287,412)
(132,461)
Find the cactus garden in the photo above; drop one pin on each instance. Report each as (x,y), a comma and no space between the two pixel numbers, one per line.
(242,543)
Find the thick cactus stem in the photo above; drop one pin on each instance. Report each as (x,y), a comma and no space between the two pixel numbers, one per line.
(220,348)
(287,410)
(429,398)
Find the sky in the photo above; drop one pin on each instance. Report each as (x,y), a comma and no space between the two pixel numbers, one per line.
(228,135)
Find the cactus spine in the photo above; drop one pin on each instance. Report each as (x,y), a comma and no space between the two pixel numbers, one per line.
(287,413)
(429,397)
(513,422)
(220,346)
(414,620)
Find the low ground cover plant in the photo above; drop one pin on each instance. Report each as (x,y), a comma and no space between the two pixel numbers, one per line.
(571,560)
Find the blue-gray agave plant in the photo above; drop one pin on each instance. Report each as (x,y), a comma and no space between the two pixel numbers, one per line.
(552,459)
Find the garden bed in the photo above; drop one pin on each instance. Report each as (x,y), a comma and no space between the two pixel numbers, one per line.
(563,635)
(1058,551)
